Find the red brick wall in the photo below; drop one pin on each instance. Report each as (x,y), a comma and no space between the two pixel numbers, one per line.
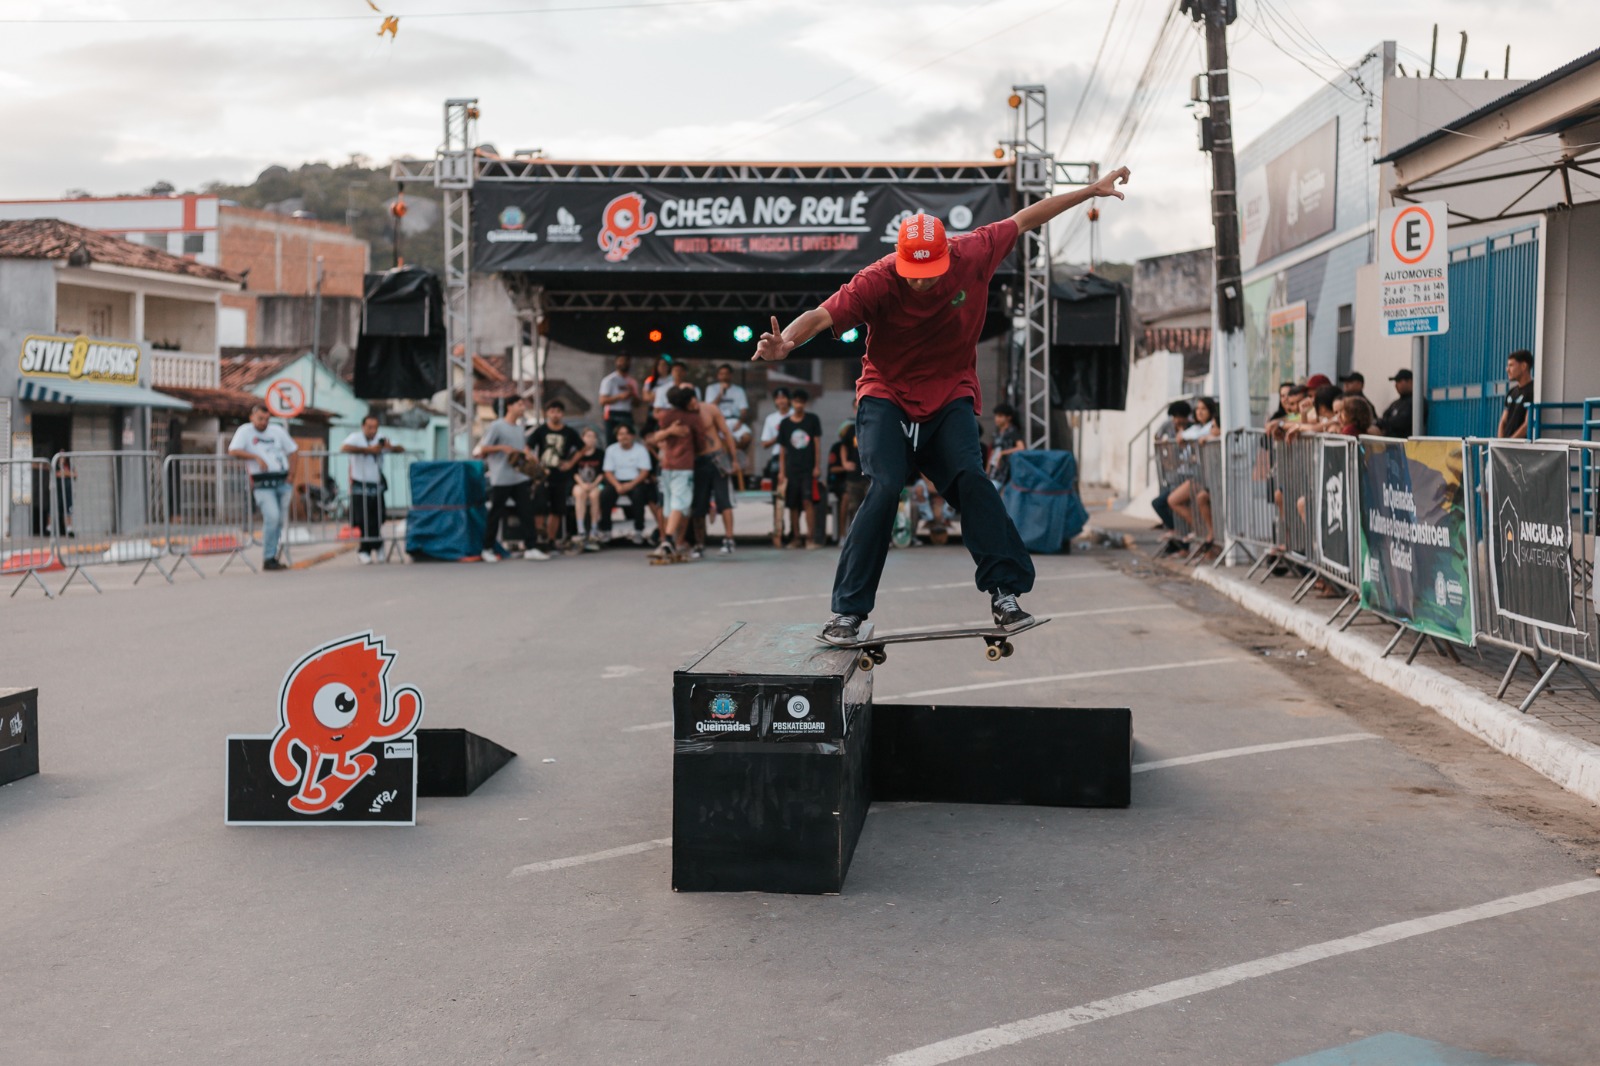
(280,254)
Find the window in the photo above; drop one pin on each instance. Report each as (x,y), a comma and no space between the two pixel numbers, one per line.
(1345,352)
(99,320)
(156,240)
(194,243)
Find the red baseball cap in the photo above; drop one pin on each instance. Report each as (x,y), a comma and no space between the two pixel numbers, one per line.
(1317,381)
(922,250)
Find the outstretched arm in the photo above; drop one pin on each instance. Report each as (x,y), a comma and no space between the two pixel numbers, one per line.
(778,344)
(1036,215)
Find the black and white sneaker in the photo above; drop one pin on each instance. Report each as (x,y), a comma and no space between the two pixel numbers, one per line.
(1008,613)
(842,629)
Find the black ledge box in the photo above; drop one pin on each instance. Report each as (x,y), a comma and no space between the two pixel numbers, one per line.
(19,733)
(770,759)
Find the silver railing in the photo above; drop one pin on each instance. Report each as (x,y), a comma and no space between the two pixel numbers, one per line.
(111,512)
(27,526)
(209,509)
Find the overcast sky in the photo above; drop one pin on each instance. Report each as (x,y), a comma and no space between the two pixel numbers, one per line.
(112,105)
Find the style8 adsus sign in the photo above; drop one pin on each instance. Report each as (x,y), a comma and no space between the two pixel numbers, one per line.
(1414,536)
(756,227)
(1530,542)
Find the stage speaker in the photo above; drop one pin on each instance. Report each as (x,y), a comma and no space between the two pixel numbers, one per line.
(401,351)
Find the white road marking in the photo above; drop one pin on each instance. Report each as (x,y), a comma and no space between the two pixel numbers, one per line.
(1159,764)
(1254,749)
(914,588)
(613,672)
(595,856)
(1083,675)
(648,726)
(982,1040)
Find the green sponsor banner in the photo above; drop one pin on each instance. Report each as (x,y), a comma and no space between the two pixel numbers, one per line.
(1414,536)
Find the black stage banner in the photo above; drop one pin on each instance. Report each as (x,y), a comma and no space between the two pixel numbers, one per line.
(732,227)
(1334,510)
(1530,553)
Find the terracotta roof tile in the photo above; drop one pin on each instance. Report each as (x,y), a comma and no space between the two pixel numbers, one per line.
(51,238)
(234,403)
(242,371)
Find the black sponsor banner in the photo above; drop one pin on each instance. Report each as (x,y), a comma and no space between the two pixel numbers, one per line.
(1333,506)
(1413,535)
(755,227)
(1530,535)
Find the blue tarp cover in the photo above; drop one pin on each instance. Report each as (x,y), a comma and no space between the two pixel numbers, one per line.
(447,510)
(1042,499)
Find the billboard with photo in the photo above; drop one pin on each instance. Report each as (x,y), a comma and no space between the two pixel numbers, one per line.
(1289,201)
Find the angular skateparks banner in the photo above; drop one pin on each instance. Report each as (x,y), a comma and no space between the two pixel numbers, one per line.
(1530,541)
(1414,536)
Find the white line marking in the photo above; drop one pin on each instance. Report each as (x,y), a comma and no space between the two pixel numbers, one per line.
(913,588)
(982,1040)
(1254,749)
(596,856)
(647,726)
(1081,676)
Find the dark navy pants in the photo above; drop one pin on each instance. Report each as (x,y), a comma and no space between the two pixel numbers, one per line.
(945,448)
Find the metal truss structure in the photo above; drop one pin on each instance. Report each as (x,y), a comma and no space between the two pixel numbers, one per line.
(459,167)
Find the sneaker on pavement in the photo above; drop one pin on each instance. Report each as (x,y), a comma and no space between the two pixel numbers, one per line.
(697,552)
(592,543)
(727,545)
(364,558)
(272,564)
(489,557)
(636,538)
(536,554)
(842,628)
(1008,613)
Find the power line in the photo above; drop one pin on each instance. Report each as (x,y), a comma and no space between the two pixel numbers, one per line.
(171,21)
(1088,85)
(903,74)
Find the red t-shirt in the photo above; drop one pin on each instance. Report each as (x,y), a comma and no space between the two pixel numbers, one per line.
(678,452)
(922,347)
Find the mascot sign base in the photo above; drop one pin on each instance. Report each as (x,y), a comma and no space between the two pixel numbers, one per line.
(344,751)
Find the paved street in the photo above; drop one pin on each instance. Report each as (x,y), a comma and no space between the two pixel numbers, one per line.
(1246,909)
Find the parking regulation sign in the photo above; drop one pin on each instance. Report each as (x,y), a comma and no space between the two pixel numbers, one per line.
(1413,269)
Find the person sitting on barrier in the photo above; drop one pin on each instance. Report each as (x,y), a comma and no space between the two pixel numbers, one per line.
(267,446)
(1179,416)
(586,486)
(1191,496)
(505,449)
(626,470)
(365,449)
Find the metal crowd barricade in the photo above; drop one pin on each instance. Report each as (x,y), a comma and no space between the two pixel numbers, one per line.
(1210,495)
(1174,466)
(27,526)
(323,509)
(1251,519)
(112,511)
(209,509)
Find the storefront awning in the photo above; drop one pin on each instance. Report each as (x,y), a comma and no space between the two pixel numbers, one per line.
(43,390)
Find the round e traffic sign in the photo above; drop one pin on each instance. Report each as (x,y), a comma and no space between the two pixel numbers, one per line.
(285,398)
(1411,235)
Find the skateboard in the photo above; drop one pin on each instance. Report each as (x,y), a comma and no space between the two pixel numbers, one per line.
(669,560)
(871,644)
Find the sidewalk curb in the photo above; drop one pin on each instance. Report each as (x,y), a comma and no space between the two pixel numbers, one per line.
(1571,763)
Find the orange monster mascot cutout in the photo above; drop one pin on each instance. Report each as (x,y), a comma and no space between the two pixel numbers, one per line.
(333,704)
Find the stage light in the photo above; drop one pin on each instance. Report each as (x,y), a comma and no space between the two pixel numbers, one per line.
(1014,100)
(849,336)
(615,334)
(655,336)
(742,334)
(691,333)
(999,153)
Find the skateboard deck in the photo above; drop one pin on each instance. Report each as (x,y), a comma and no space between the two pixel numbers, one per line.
(871,643)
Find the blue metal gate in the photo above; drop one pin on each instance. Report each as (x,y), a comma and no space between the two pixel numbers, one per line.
(1494,284)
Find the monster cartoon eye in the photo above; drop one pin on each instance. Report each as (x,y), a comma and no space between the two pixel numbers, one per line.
(334,705)
(623,218)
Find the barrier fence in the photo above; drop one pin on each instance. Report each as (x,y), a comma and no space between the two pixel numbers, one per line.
(209,509)
(111,510)
(27,542)
(329,505)
(1511,560)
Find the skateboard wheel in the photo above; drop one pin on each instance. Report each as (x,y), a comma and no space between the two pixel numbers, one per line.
(879,656)
(993,652)
(1006,649)
(866,662)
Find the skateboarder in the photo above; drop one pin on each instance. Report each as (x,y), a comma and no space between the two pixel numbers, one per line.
(918,398)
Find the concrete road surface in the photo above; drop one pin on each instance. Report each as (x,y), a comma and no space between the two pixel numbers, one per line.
(1292,877)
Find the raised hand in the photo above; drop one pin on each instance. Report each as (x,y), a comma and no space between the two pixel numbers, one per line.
(772,347)
(1107,186)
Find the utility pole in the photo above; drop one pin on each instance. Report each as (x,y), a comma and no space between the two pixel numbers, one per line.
(1227,347)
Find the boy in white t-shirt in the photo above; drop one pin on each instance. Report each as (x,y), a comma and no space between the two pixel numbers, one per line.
(626,470)
(365,449)
(266,446)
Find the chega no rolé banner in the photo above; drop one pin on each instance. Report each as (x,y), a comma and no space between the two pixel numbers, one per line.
(1414,536)
(754,227)
(1530,535)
